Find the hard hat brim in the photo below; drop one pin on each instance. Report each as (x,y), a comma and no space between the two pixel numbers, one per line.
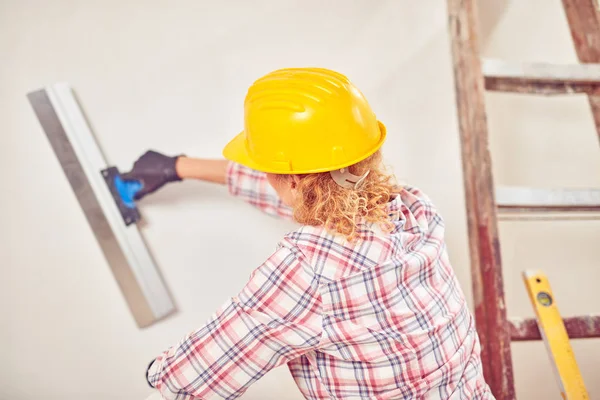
(237,151)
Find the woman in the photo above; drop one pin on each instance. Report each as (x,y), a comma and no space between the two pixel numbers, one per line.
(361,301)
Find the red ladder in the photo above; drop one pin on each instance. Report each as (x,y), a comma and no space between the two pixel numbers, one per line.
(483,201)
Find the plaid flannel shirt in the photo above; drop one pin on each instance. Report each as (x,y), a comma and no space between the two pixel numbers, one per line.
(380,318)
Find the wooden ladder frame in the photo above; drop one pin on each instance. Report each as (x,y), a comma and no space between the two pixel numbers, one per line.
(472,78)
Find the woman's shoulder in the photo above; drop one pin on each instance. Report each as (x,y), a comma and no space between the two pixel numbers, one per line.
(415,198)
(415,191)
(308,236)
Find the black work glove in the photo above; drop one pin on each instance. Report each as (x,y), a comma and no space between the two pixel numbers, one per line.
(153,170)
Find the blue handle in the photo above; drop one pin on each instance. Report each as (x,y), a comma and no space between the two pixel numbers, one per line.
(127,190)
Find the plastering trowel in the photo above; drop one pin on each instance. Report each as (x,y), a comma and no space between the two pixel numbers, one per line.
(106,200)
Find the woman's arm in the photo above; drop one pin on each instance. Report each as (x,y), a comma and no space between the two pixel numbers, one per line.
(249,185)
(270,322)
(202,169)
(154,170)
(253,187)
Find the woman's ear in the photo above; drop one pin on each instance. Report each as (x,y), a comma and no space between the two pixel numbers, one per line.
(294,180)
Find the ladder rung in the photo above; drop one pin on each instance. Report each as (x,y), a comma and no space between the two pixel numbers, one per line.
(523,199)
(541,78)
(583,327)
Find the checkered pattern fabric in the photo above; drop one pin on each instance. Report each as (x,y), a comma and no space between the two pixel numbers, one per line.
(380,318)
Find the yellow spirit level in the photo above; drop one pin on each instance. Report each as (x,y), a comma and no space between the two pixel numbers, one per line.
(555,336)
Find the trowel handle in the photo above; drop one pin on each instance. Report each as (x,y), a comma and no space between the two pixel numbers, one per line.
(127,190)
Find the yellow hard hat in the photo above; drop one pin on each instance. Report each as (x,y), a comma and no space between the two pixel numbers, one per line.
(305,120)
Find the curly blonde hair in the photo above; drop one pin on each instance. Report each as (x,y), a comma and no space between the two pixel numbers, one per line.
(322,202)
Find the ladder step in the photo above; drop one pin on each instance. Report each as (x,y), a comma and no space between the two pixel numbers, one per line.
(583,327)
(524,199)
(541,78)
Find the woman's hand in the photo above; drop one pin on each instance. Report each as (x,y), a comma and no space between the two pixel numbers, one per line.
(153,170)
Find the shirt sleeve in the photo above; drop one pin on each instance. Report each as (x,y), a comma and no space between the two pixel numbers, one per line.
(275,318)
(252,186)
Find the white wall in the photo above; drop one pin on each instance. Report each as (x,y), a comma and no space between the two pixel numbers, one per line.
(172,76)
